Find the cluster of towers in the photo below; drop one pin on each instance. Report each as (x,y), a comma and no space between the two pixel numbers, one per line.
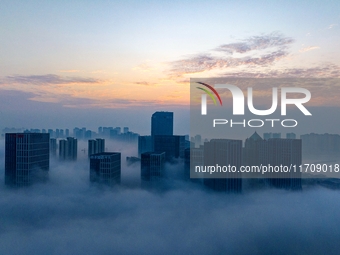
(27,156)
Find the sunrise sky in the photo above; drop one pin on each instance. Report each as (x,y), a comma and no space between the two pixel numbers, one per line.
(70,58)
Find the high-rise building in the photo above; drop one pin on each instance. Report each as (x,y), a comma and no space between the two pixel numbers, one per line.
(88,134)
(144,144)
(251,150)
(325,145)
(53,147)
(68,148)
(291,136)
(162,123)
(285,152)
(96,146)
(224,152)
(105,168)
(26,158)
(193,157)
(172,145)
(152,165)
(267,136)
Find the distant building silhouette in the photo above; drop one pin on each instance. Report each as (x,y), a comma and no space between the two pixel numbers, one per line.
(68,149)
(267,136)
(96,146)
(53,147)
(291,136)
(26,158)
(251,150)
(105,168)
(320,145)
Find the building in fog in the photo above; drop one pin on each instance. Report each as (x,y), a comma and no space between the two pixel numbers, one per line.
(172,145)
(144,144)
(291,136)
(285,152)
(27,158)
(53,147)
(96,146)
(152,165)
(267,136)
(193,157)
(68,148)
(325,145)
(251,150)
(162,123)
(105,168)
(223,152)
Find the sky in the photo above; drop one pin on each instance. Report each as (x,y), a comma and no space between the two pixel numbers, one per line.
(123,60)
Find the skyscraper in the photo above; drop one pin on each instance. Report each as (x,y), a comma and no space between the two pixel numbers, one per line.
(68,148)
(291,136)
(26,158)
(224,152)
(172,145)
(162,123)
(53,147)
(285,152)
(144,144)
(152,165)
(96,146)
(105,168)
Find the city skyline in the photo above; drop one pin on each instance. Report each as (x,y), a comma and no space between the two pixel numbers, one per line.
(107,117)
(101,63)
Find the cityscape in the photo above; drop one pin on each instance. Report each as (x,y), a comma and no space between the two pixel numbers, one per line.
(28,155)
(169,127)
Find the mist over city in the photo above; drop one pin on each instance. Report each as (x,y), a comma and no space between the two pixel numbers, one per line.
(169,127)
(69,215)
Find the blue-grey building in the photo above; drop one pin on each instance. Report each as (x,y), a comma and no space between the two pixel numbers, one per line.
(27,158)
(105,168)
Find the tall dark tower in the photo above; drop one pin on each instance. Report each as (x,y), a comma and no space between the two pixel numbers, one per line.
(105,167)
(27,158)
(162,123)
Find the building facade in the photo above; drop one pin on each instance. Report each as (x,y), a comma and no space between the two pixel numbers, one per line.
(105,168)
(96,146)
(26,158)
(152,166)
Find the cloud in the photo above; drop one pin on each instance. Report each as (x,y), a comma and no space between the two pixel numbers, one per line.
(47,79)
(309,48)
(145,83)
(257,43)
(69,71)
(256,51)
(68,215)
(331,26)
(326,71)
